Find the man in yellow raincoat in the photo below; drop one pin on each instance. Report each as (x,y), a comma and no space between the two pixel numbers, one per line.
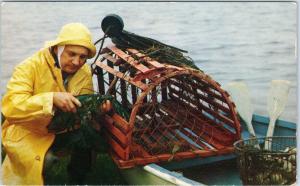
(42,83)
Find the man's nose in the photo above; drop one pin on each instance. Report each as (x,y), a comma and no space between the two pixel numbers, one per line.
(76,60)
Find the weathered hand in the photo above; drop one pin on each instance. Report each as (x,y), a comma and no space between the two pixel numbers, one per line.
(65,101)
(106,106)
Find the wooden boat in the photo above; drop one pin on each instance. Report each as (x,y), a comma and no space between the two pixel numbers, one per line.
(214,170)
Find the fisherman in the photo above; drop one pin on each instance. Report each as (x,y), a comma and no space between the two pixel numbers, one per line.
(44,82)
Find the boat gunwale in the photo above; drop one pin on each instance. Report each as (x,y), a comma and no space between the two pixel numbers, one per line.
(281,123)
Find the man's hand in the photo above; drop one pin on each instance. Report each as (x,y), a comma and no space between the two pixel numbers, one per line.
(65,101)
(106,106)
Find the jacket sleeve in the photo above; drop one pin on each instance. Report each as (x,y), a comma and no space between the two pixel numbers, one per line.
(19,105)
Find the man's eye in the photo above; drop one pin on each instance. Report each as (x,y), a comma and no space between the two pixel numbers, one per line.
(83,57)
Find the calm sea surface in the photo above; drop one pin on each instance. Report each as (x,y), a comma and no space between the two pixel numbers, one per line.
(254,42)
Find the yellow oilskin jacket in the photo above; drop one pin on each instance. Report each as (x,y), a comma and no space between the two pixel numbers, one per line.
(28,109)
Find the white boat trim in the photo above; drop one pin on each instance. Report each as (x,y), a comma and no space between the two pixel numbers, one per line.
(172,177)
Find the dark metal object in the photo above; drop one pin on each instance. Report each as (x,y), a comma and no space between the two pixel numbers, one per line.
(258,166)
(112,25)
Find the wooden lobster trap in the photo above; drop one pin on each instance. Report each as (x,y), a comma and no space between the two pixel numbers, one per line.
(175,113)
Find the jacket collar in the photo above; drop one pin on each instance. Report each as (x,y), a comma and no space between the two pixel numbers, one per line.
(55,71)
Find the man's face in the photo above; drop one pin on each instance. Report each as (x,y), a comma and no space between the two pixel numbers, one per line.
(73,58)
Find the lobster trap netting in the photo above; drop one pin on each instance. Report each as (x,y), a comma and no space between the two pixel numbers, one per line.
(175,112)
(273,166)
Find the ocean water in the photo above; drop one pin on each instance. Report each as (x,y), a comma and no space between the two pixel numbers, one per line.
(254,42)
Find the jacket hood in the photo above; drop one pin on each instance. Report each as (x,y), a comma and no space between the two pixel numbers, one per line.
(74,34)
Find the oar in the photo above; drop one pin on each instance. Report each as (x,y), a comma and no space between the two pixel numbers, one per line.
(241,97)
(277,99)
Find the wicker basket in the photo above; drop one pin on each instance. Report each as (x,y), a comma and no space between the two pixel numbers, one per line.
(276,166)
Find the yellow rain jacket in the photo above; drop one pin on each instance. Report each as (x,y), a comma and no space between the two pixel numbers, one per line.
(28,107)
